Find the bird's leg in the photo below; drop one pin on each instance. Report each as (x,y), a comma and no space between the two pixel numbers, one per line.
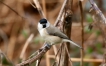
(48,45)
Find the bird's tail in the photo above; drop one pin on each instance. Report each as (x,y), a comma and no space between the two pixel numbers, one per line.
(66,40)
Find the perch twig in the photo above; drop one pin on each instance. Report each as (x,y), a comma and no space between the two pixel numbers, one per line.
(31,60)
(82,31)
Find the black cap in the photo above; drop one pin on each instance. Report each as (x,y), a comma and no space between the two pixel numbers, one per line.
(42,21)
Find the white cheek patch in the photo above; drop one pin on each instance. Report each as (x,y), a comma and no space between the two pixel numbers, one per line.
(40,26)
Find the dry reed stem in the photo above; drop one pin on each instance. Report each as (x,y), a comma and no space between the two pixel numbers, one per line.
(82,31)
(39,8)
(35,58)
(0,58)
(56,52)
(68,55)
(32,4)
(79,59)
(44,7)
(60,13)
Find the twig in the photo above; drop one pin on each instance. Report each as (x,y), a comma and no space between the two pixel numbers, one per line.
(44,7)
(39,8)
(61,49)
(12,9)
(31,60)
(68,55)
(98,11)
(0,58)
(32,4)
(25,46)
(67,25)
(60,13)
(39,60)
(82,31)
(79,59)
(56,53)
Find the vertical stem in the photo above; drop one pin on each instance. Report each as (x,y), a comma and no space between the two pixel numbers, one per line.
(47,59)
(105,50)
(0,58)
(82,31)
(39,8)
(60,13)
(67,28)
(61,56)
(44,7)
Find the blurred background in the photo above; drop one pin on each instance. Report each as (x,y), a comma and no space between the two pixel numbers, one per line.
(15,30)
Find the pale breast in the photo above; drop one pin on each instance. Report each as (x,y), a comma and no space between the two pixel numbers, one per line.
(53,39)
(49,38)
(43,32)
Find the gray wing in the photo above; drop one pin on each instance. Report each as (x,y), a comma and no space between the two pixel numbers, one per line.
(56,32)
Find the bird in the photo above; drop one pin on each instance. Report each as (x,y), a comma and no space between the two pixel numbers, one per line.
(52,34)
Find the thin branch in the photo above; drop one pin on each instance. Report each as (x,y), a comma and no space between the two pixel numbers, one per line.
(39,8)
(56,53)
(35,58)
(39,60)
(98,11)
(60,56)
(44,7)
(68,55)
(0,58)
(82,31)
(60,13)
(12,9)
(32,4)
(79,59)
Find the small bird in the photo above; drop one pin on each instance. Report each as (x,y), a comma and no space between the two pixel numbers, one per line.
(52,34)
